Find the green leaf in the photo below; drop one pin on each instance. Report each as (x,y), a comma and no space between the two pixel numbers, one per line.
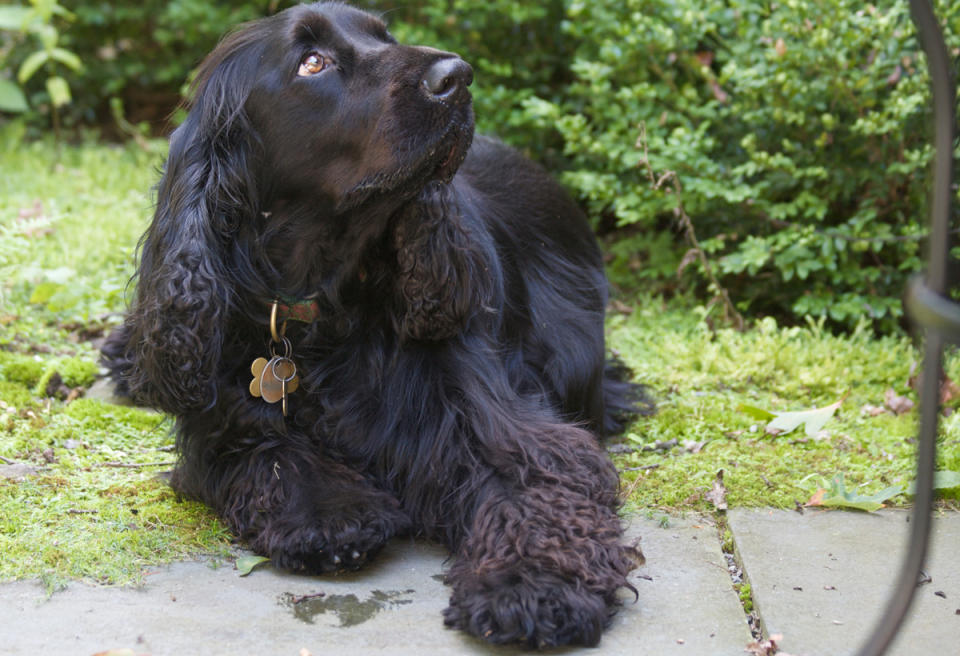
(31,64)
(59,91)
(67,58)
(838,497)
(942,480)
(14,18)
(11,97)
(945,480)
(246,564)
(68,296)
(43,292)
(813,420)
(756,413)
(47,34)
(63,12)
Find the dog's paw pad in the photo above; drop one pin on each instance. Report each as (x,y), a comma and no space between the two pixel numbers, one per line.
(536,615)
(317,553)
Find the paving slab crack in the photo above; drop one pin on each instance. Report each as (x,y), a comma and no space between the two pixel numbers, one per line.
(738,578)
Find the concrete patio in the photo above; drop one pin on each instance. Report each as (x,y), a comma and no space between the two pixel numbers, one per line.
(818,579)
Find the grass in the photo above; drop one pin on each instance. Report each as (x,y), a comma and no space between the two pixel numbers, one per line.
(702,377)
(95,509)
(92,504)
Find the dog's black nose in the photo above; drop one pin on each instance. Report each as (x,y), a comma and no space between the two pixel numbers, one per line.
(446,77)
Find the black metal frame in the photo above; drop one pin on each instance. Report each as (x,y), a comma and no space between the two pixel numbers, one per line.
(930,309)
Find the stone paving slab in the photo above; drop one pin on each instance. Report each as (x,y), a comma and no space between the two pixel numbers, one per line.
(821,579)
(687,606)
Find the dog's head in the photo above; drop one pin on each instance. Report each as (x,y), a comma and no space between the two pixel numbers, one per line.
(334,109)
(317,111)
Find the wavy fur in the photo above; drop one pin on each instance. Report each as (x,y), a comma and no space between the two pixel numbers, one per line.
(454,384)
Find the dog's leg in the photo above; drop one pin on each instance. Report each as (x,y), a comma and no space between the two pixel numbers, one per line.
(541,560)
(301,509)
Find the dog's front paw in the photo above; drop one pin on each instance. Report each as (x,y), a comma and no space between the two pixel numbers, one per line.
(330,544)
(538,612)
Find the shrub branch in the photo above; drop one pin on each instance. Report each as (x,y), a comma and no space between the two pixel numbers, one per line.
(695,252)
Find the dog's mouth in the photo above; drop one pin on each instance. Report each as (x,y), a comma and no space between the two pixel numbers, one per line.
(453,149)
(437,162)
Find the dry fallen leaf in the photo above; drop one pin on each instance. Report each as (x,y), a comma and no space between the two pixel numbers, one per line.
(718,493)
(693,446)
(765,648)
(817,498)
(895,403)
(620,307)
(949,391)
(872,410)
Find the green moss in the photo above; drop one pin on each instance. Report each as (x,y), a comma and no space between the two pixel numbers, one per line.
(95,415)
(73,372)
(727,541)
(18,368)
(15,395)
(98,509)
(746,596)
(700,377)
(58,531)
(77,372)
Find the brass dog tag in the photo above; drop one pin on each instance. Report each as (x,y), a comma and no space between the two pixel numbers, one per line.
(279,377)
(257,370)
(274,379)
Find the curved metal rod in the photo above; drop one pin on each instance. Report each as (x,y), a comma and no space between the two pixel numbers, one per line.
(931,309)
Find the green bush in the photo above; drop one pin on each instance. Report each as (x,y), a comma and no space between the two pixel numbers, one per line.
(142,52)
(797,130)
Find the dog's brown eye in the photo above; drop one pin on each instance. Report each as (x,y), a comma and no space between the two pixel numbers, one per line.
(312,64)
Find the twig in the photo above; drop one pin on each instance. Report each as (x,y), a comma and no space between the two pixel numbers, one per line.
(7,461)
(137,465)
(725,569)
(643,468)
(296,599)
(730,313)
(81,511)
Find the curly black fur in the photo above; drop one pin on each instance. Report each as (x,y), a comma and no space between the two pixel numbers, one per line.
(455,381)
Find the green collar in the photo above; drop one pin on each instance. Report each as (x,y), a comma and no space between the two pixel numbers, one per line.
(305,310)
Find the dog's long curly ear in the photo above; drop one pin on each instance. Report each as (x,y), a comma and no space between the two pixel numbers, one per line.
(184,292)
(447,274)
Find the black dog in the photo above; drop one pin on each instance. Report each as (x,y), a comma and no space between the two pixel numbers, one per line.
(435,363)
